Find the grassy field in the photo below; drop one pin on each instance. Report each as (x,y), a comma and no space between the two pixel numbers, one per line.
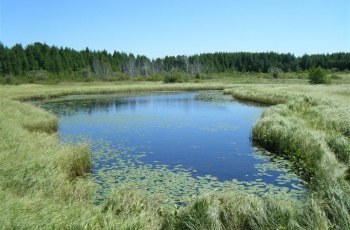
(45,184)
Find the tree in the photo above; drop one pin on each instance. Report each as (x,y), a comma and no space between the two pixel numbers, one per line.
(129,66)
(18,61)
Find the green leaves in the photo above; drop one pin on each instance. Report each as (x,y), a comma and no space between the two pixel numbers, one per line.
(319,76)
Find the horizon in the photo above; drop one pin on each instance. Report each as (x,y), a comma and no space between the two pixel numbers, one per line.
(157,29)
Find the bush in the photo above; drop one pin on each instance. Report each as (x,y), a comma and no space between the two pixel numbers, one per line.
(154,77)
(8,80)
(276,72)
(121,76)
(38,75)
(85,73)
(319,76)
(173,78)
(89,79)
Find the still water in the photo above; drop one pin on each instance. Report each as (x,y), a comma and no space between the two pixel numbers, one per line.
(201,140)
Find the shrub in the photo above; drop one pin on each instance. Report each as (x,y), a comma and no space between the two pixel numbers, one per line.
(85,73)
(123,77)
(319,76)
(276,72)
(38,75)
(173,78)
(89,79)
(8,80)
(198,76)
(154,77)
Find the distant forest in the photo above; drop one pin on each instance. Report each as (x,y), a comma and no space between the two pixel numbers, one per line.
(29,60)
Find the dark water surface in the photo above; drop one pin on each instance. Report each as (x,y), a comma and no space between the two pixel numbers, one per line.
(197,135)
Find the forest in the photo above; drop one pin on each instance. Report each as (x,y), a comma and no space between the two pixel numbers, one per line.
(37,61)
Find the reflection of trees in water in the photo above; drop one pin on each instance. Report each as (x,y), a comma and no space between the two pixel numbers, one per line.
(69,108)
(174,100)
(72,107)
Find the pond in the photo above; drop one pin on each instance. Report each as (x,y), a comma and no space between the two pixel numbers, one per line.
(174,145)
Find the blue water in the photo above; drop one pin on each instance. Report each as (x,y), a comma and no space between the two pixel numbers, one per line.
(210,136)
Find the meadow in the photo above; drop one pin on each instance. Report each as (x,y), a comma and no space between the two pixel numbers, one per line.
(47,184)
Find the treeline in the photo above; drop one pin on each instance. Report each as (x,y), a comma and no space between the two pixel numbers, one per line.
(19,61)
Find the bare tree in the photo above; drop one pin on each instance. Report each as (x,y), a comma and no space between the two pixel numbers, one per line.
(129,66)
(100,69)
(187,64)
(196,66)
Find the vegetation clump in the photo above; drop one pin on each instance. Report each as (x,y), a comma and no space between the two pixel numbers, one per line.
(173,78)
(319,76)
(276,72)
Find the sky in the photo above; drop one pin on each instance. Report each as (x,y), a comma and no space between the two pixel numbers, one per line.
(157,28)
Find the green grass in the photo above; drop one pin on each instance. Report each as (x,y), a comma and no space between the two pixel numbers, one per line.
(311,127)
(46,184)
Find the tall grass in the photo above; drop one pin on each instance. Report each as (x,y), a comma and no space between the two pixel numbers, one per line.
(310,127)
(45,184)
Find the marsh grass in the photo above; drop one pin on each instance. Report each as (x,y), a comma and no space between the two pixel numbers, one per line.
(310,127)
(46,184)
(35,92)
(240,211)
(78,161)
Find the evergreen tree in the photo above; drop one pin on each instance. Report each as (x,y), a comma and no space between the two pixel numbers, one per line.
(57,61)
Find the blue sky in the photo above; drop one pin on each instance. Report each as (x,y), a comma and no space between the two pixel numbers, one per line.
(162,27)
